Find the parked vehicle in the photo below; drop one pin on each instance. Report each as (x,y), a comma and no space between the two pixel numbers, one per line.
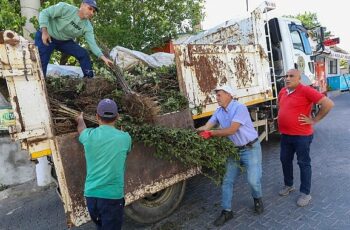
(250,54)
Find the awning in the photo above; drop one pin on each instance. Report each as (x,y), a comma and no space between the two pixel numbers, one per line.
(336,55)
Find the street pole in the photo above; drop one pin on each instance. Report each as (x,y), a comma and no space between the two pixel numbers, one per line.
(29,9)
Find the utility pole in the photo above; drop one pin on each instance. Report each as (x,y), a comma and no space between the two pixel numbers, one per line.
(29,9)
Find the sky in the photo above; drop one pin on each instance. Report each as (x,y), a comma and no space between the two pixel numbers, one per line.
(331,14)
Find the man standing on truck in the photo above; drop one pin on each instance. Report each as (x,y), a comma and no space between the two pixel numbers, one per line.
(236,124)
(60,24)
(105,149)
(295,123)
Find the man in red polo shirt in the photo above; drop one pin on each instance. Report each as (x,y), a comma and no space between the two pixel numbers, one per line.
(295,123)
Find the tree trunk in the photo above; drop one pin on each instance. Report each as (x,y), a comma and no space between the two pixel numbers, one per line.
(29,9)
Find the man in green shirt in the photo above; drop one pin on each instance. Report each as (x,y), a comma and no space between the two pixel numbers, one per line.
(106,149)
(60,24)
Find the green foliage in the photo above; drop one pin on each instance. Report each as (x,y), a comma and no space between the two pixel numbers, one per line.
(161,83)
(344,64)
(184,145)
(310,21)
(142,25)
(10,19)
(3,187)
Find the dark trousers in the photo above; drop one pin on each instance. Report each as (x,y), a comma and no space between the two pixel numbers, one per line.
(107,214)
(301,146)
(69,47)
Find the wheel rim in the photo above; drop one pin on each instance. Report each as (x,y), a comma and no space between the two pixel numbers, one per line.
(157,198)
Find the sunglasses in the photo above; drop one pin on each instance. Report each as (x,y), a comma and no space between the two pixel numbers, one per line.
(289,75)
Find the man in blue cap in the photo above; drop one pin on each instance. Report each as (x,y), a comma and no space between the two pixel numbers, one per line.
(60,24)
(105,149)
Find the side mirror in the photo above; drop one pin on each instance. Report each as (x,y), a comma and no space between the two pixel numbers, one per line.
(319,31)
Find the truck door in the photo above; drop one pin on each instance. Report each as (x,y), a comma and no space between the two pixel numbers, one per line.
(302,52)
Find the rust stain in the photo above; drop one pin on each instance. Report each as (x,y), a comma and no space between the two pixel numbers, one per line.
(223,80)
(208,68)
(251,37)
(231,47)
(36,141)
(20,118)
(10,35)
(262,52)
(208,100)
(244,71)
(2,37)
(31,49)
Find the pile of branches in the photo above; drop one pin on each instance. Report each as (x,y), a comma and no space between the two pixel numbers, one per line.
(68,96)
(159,87)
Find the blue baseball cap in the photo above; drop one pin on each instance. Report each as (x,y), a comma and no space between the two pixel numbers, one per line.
(91,3)
(107,108)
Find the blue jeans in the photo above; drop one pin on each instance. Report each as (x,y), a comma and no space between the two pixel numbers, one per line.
(107,214)
(69,47)
(250,157)
(301,146)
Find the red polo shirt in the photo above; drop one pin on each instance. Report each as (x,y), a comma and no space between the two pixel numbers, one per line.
(291,105)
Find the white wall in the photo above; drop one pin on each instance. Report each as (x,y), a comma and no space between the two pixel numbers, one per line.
(15,166)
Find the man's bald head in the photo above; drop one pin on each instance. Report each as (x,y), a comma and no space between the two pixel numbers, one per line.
(292,78)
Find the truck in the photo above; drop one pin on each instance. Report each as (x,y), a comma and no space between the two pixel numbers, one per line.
(250,54)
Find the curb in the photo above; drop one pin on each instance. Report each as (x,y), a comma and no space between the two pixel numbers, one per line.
(23,190)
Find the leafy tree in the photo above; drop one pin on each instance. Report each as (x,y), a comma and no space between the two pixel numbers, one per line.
(10,18)
(142,24)
(310,21)
(344,64)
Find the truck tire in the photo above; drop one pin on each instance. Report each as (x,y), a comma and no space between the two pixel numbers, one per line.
(157,206)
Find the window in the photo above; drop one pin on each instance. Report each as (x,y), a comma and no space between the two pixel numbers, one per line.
(300,38)
(297,43)
(332,66)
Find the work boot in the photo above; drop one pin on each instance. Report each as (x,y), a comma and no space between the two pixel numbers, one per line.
(286,190)
(223,218)
(303,200)
(258,206)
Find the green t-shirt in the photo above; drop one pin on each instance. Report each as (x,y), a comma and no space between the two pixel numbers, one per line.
(106,149)
(63,23)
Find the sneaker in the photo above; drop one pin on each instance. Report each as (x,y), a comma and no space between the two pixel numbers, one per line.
(223,218)
(258,206)
(286,190)
(303,200)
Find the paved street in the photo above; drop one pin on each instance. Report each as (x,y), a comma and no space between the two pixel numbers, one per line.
(330,207)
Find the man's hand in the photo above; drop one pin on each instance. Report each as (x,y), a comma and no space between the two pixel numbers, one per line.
(81,124)
(305,120)
(107,61)
(206,134)
(45,36)
(79,117)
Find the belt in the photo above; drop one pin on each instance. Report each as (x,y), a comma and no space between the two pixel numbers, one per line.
(249,144)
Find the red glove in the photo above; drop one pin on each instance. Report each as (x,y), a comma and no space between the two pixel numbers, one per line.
(206,134)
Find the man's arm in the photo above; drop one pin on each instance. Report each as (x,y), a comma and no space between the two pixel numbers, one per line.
(227,131)
(81,123)
(220,132)
(207,126)
(45,36)
(90,39)
(45,15)
(326,105)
